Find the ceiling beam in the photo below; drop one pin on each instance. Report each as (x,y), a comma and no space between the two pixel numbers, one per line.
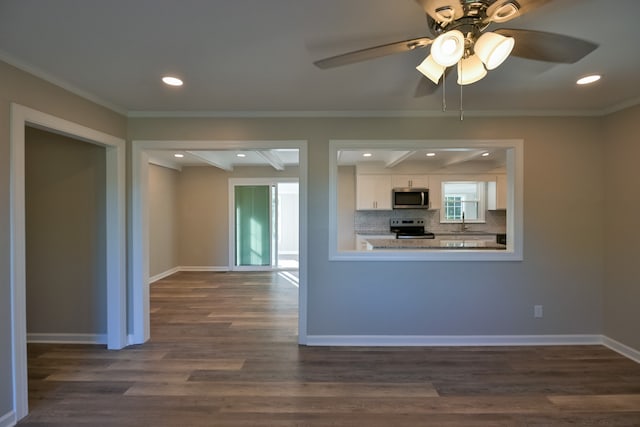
(398,157)
(463,156)
(210,157)
(272,158)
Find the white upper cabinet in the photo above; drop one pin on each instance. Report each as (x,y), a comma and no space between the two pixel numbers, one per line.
(373,192)
(497,193)
(409,181)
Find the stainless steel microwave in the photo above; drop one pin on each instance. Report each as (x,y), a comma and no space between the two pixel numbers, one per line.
(410,198)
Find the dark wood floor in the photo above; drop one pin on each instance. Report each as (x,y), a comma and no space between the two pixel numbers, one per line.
(223,353)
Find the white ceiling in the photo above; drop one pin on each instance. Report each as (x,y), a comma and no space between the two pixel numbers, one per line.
(255,56)
(225,159)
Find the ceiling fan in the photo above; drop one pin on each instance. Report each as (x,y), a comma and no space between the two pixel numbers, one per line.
(460,37)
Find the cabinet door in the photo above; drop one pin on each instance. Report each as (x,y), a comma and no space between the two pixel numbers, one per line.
(409,181)
(435,191)
(373,192)
(497,193)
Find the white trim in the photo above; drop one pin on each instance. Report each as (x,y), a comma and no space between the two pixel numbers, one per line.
(165,164)
(450,340)
(515,209)
(8,419)
(164,274)
(67,338)
(22,116)
(203,268)
(384,113)
(622,349)
(139,253)
(37,72)
(179,269)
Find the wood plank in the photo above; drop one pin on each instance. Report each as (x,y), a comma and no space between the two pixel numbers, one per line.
(284,389)
(223,351)
(598,403)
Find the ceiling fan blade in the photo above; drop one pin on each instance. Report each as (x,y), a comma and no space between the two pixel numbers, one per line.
(549,47)
(431,7)
(373,52)
(524,6)
(425,87)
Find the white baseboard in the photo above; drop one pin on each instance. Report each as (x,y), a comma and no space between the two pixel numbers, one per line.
(178,269)
(8,419)
(66,338)
(203,268)
(449,340)
(164,274)
(624,350)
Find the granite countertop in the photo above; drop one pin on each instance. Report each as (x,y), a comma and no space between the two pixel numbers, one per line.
(433,244)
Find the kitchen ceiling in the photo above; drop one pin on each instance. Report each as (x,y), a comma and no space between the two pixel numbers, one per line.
(255,57)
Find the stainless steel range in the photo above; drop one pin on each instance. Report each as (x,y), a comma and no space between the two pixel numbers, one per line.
(409,228)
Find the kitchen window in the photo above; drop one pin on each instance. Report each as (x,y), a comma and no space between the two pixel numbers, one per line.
(463,200)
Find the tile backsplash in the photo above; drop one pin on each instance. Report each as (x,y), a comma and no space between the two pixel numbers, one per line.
(378,221)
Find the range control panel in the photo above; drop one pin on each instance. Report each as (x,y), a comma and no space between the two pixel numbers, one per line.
(406,222)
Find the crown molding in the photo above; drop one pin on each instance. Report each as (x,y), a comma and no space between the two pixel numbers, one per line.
(49,78)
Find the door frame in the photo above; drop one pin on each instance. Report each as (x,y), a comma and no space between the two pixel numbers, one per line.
(233,182)
(139,246)
(116,338)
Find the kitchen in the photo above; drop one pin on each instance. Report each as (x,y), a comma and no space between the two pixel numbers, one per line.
(422,198)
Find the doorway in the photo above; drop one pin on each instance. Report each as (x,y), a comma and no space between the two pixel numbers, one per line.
(265,224)
(139,254)
(21,117)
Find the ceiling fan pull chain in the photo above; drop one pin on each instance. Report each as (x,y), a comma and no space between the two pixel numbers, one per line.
(461,109)
(444,98)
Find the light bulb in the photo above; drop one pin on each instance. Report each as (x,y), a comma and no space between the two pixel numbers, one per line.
(448,48)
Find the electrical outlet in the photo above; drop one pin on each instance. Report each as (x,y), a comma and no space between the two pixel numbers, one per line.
(537,311)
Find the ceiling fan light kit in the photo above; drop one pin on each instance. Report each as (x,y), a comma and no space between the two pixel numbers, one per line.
(431,69)
(448,48)
(470,70)
(493,49)
(459,37)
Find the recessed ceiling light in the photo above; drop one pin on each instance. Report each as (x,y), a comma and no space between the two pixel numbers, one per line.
(431,154)
(178,155)
(589,79)
(485,154)
(172,81)
(367,155)
(241,155)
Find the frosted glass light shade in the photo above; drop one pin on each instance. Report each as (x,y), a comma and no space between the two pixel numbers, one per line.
(448,48)
(470,70)
(431,69)
(493,49)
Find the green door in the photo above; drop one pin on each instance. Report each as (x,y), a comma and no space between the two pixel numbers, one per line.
(253,230)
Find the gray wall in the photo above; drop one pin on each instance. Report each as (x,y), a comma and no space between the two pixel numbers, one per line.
(65,190)
(163,219)
(563,224)
(22,88)
(622,231)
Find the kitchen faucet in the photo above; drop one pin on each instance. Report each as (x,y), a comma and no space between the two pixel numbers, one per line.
(463,227)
